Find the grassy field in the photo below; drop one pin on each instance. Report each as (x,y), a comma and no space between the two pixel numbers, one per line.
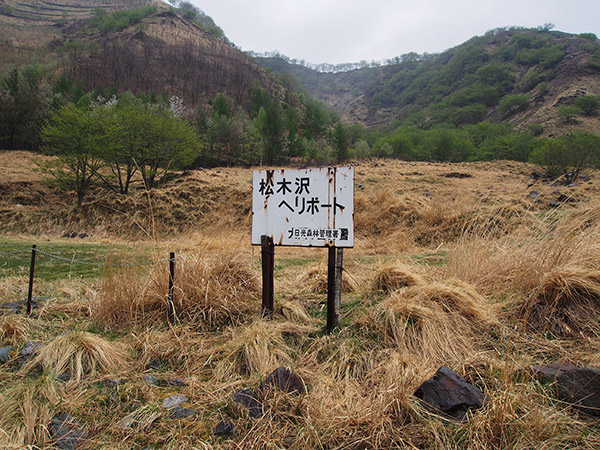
(469,271)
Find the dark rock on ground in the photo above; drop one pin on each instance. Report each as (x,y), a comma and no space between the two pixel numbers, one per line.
(554,204)
(565,198)
(174,400)
(534,194)
(457,175)
(450,394)
(580,386)
(248,399)
(176,382)
(224,427)
(66,431)
(5,354)
(154,364)
(112,382)
(549,372)
(64,377)
(284,380)
(11,307)
(182,413)
(29,351)
(152,381)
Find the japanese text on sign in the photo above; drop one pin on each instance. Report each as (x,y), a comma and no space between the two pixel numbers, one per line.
(307,207)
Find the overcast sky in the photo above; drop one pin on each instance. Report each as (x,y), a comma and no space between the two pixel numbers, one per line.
(338,31)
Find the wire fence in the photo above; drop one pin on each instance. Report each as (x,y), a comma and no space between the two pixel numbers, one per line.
(34,251)
(88,263)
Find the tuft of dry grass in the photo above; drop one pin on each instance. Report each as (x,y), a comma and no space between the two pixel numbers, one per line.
(79,354)
(257,349)
(566,303)
(26,409)
(207,293)
(393,276)
(314,280)
(438,323)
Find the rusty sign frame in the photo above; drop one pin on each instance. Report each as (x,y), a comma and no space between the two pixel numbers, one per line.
(304,207)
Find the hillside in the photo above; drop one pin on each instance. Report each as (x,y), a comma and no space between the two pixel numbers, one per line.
(467,83)
(461,266)
(162,52)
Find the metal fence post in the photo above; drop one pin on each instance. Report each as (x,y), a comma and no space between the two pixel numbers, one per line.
(31,273)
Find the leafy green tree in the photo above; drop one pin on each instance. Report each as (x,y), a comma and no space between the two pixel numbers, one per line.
(340,142)
(23,108)
(569,154)
(567,114)
(513,103)
(72,136)
(171,143)
(588,104)
(271,127)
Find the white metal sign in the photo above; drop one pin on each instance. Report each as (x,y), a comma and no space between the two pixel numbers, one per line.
(306,207)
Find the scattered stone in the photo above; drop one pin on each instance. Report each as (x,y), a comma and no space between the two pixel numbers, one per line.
(112,382)
(284,380)
(571,185)
(450,394)
(176,382)
(29,351)
(5,354)
(565,198)
(580,386)
(549,372)
(152,381)
(554,204)
(11,307)
(74,234)
(154,364)
(64,377)
(248,399)
(66,431)
(534,194)
(224,427)
(182,413)
(82,235)
(427,194)
(174,400)
(456,175)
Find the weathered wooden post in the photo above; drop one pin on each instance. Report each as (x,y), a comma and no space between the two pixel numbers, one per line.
(31,274)
(339,260)
(331,289)
(170,296)
(268,269)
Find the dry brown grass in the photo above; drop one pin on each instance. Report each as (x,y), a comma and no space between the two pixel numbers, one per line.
(498,253)
(79,354)
(208,293)
(437,323)
(25,412)
(256,349)
(314,280)
(393,276)
(566,303)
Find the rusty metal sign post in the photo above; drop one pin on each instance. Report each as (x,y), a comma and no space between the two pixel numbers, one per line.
(305,208)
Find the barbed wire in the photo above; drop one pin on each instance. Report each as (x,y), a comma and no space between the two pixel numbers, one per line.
(87,263)
(13,252)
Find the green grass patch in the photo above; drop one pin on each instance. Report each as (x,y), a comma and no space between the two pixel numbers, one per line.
(437,259)
(69,259)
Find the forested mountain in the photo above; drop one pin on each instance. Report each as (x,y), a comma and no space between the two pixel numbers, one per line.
(523,76)
(145,46)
